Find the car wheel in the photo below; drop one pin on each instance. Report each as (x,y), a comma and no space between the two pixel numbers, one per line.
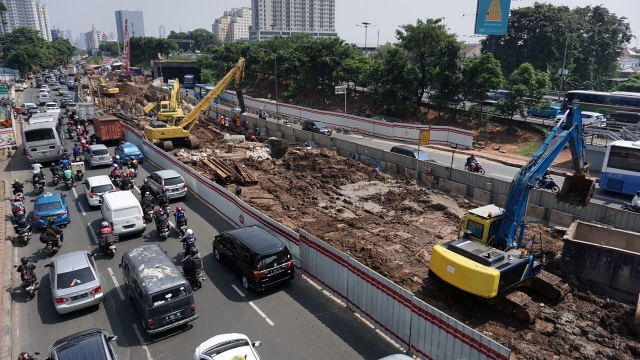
(216,254)
(245,282)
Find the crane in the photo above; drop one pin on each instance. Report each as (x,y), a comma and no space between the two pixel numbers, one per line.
(125,50)
(489,259)
(178,129)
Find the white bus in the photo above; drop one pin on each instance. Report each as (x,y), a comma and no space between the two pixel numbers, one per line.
(40,138)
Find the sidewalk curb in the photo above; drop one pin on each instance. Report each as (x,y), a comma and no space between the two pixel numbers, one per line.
(5,281)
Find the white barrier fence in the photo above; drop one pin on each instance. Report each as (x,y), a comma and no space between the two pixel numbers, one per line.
(417,326)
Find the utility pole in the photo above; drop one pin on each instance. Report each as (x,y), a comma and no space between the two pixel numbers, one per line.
(366,26)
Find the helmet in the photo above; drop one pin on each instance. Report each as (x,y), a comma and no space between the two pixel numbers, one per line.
(178,208)
(104,224)
(189,232)
(76,144)
(146,181)
(16,180)
(134,162)
(24,260)
(117,157)
(50,222)
(194,251)
(638,192)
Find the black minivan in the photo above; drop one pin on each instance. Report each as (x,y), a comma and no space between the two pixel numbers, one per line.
(260,258)
(158,290)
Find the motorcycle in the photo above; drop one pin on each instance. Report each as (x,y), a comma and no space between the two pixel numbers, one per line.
(627,206)
(111,241)
(195,277)
(29,283)
(476,168)
(69,183)
(550,185)
(79,174)
(55,179)
(70,134)
(24,235)
(51,246)
(39,189)
(163,232)
(26,355)
(148,215)
(131,185)
(182,227)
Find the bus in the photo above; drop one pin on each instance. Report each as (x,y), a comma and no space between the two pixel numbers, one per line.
(603,102)
(621,167)
(41,140)
(189,81)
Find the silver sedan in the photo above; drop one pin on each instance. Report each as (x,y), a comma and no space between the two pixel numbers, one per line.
(75,282)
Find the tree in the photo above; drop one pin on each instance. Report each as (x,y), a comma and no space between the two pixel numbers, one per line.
(424,42)
(538,35)
(632,84)
(111,47)
(399,80)
(448,75)
(197,39)
(481,75)
(527,88)
(61,50)
(144,49)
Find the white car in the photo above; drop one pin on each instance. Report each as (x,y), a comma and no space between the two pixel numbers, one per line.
(95,187)
(227,346)
(51,106)
(590,118)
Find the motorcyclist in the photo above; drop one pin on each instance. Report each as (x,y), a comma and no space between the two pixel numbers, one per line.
(37,168)
(163,199)
(65,162)
(162,220)
(117,161)
(21,223)
(471,161)
(189,241)
(26,270)
(546,179)
(76,150)
(180,216)
(53,230)
(16,206)
(192,262)
(37,181)
(115,171)
(125,183)
(103,242)
(133,166)
(18,187)
(55,168)
(145,189)
(635,202)
(67,174)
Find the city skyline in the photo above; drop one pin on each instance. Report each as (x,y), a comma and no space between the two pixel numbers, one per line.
(385,17)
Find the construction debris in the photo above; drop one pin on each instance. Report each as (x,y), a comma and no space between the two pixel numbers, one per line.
(259,153)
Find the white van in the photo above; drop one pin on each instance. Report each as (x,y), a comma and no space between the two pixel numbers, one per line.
(123,212)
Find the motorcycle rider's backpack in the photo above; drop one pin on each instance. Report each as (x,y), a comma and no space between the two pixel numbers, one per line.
(197,263)
(25,274)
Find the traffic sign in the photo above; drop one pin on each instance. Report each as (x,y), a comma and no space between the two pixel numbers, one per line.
(341,89)
(424,137)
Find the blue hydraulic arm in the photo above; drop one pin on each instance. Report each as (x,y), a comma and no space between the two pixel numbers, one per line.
(577,189)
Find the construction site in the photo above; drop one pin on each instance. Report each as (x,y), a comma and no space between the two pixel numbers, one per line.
(391,223)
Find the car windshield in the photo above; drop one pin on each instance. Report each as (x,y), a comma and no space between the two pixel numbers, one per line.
(164,297)
(424,156)
(48,206)
(272,260)
(74,278)
(173,181)
(225,346)
(79,348)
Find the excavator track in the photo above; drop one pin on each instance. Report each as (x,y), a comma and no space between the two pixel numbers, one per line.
(522,306)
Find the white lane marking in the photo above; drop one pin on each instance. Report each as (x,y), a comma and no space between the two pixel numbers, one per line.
(146,349)
(137,189)
(257,309)
(115,281)
(81,208)
(94,239)
(74,192)
(238,290)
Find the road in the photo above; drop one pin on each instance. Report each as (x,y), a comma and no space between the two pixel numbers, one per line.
(294,321)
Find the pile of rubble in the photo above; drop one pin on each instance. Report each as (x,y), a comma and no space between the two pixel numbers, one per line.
(191,156)
(258,153)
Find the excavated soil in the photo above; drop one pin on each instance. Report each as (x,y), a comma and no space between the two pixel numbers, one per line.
(390,224)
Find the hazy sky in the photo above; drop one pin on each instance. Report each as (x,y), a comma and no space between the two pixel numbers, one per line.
(386,15)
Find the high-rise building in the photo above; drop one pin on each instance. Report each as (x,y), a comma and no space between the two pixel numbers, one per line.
(93,38)
(288,17)
(68,36)
(29,13)
(135,23)
(162,32)
(233,25)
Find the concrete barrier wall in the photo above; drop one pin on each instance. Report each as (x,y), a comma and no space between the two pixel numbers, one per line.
(607,257)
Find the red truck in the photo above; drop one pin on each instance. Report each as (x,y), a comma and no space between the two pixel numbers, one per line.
(107,128)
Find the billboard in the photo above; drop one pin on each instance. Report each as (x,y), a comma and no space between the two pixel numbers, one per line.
(492,17)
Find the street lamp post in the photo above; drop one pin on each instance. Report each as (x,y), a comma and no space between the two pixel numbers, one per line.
(569,23)
(275,70)
(366,27)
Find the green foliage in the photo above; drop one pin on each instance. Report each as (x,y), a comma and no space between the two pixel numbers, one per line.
(111,47)
(527,88)
(481,75)
(197,39)
(529,148)
(147,48)
(632,84)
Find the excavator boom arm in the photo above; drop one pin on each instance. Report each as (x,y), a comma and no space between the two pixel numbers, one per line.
(236,73)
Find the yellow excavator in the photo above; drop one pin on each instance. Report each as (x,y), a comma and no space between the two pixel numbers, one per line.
(491,259)
(178,129)
(171,108)
(99,85)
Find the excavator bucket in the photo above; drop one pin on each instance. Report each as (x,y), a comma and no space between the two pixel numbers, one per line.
(577,190)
